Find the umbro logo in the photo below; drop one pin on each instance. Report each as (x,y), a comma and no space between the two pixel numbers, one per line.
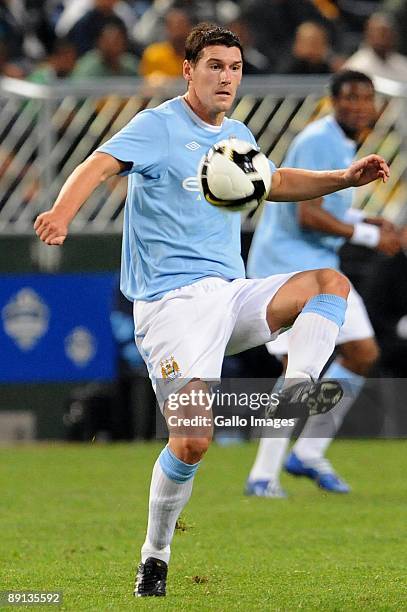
(192,146)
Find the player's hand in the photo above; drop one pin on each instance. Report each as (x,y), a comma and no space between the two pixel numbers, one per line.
(366,170)
(381,222)
(389,242)
(51,228)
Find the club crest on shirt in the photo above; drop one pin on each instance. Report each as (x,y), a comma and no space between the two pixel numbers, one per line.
(170,369)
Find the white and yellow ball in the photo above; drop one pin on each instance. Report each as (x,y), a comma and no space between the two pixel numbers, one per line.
(234,175)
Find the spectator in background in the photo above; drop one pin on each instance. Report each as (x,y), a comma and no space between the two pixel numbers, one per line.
(275,23)
(166,58)
(86,30)
(110,58)
(150,27)
(26,30)
(398,9)
(39,33)
(58,65)
(255,62)
(11,31)
(9,68)
(353,16)
(71,11)
(377,57)
(310,51)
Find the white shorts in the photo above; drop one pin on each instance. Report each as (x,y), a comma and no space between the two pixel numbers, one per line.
(356,326)
(187,333)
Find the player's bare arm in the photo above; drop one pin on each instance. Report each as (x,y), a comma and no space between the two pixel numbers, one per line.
(312,216)
(294,185)
(52,226)
(383,237)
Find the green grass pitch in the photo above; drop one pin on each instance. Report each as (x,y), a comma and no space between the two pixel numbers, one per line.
(73,519)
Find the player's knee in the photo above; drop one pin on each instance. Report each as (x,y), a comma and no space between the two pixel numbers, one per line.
(191,450)
(332,281)
(372,355)
(362,357)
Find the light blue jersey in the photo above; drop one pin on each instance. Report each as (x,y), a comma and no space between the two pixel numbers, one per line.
(172,237)
(280,244)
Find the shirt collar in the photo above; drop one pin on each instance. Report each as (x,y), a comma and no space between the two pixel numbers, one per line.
(333,122)
(198,120)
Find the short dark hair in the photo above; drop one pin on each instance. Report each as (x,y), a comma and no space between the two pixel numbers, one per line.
(208,34)
(347,76)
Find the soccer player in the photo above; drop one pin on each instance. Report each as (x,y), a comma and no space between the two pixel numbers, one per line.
(181,266)
(306,235)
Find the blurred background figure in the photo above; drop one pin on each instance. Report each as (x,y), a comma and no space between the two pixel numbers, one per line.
(85,33)
(150,27)
(377,55)
(26,29)
(308,236)
(310,51)
(166,58)
(255,62)
(11,30)
(68,12)
(398,10)
(9,68)
(58,65)
(39,35)
(109,58)
(275,23)
(352,18)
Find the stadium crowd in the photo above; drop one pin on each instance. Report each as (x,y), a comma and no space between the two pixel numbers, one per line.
(81,39)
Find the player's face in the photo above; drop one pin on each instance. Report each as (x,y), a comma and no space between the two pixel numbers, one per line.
(355,105)
(214,79)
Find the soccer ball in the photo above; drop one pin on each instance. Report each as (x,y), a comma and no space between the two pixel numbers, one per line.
(234,175)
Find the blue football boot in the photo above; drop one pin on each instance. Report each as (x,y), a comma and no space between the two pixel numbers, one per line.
(319,470)
(264,488)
